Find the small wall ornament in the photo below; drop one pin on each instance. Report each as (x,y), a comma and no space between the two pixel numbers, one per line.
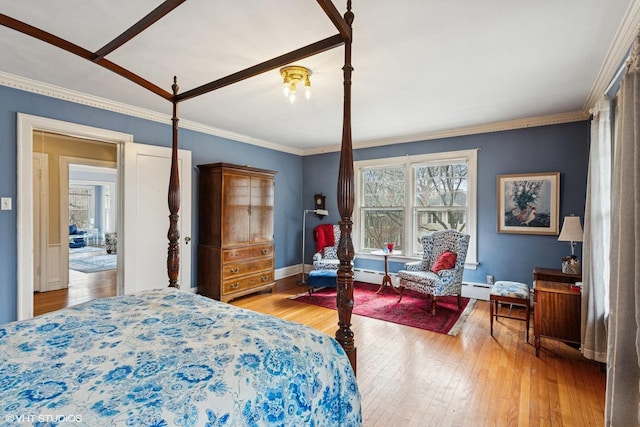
(319,203)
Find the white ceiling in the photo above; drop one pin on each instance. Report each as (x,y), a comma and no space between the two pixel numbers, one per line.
(422,68)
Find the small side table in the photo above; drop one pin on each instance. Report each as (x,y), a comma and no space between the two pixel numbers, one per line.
(386,280)
(556,313)
(555,275)
(92,237)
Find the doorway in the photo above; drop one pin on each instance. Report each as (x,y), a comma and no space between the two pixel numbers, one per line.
(76,203)
(29,133)
(143,179)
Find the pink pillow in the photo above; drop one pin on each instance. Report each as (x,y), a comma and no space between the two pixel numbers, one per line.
(445,261)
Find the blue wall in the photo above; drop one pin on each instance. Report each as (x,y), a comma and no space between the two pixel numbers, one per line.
(562,148)
(558,148)
(205,149)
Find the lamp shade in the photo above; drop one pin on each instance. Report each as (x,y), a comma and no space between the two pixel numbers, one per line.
(571,230)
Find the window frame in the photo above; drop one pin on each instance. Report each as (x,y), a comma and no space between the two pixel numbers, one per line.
(468,156)
(90,209)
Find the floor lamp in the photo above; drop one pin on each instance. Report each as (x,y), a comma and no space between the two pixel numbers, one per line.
(303,282)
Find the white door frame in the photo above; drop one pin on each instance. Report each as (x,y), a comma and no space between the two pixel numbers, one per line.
(65,161)
(26,125)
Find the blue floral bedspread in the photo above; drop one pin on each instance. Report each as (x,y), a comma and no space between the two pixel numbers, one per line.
(168,357)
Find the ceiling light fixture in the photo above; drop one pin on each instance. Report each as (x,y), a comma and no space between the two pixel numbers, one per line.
(292,75)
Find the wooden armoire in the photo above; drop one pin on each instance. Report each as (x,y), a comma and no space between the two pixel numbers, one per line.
(235,239)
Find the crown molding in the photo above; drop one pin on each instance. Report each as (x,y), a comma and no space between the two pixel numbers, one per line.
(53,91)
(551,119)
(616,56)
(209,130)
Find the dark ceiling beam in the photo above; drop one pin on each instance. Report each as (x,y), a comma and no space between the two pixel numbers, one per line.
(133,77)
(166,7)
(280,61)
(46,37)
(137,28)
(37,33)
(335,17)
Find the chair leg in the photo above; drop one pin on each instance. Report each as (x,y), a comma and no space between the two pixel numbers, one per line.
(528,308)
(459,301)
(491,315)
(400,289)
(494,305)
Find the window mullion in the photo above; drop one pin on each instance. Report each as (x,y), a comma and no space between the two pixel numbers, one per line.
(409,210)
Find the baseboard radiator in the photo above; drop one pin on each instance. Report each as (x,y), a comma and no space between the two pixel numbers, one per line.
(371,276)
(469,289)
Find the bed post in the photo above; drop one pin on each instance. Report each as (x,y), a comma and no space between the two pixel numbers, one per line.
(344,335)
(173,255)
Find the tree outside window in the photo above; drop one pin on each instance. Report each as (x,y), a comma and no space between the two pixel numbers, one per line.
(440,199)
(383,195)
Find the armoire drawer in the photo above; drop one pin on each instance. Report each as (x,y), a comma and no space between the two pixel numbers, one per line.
(255,251)
(241,268)
(248,282)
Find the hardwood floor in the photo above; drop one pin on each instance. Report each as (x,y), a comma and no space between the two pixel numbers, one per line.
(83,287)
(411,377)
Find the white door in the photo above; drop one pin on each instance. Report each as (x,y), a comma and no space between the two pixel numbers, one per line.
(143,252)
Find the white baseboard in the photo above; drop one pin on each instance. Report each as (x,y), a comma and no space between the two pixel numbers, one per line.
(476,290)
(469,289)
(360,275)
(371,276)
(289,271)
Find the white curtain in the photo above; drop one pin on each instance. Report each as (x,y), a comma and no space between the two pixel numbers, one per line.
(597,232)
(622,405)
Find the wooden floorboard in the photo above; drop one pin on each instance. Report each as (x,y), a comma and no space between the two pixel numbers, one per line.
(83,287)
(412,377)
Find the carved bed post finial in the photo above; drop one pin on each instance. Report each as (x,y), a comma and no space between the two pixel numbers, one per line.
(344,335)
(173,253)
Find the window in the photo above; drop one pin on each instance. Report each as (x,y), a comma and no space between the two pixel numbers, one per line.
(401,199)
(81,206)
(383,196)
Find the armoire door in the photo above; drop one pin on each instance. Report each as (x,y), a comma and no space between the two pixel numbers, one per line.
(236,207)
(262,201)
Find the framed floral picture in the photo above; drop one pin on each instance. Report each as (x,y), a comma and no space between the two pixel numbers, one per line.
(528,203)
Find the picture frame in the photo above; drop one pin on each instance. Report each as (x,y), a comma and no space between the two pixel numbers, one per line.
(528,203)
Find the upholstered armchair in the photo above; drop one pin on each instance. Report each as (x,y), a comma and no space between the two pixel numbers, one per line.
(111,242)
(327,257)
(439,272)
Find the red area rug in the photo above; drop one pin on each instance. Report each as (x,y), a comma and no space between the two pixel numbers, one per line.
(414,310)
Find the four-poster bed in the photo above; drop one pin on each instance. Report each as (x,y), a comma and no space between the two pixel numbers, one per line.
(332,382)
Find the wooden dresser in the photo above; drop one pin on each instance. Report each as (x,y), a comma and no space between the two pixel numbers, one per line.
(235,238)
(556,310)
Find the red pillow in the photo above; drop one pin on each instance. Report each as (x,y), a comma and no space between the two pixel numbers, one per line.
(445,261)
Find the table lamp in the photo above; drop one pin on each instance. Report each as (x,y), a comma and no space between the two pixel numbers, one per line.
(571,232)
